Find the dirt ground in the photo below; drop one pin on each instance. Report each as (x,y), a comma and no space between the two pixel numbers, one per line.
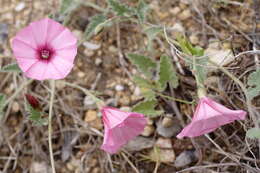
(101,65)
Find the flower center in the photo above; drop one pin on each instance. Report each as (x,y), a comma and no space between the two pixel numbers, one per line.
(45,54)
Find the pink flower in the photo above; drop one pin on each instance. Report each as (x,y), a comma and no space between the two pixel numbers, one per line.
(208,116)
(120,127)
(45,50)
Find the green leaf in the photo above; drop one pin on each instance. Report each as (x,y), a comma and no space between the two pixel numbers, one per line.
(11,68)
(167,73)
(152,31)
(141,11)
(254,84)
(2,103)
(36,116)
(119,8)
(143,83)
(148,94)
(253,133)
(93,25)
(147,108)
(143,63)
(67,6)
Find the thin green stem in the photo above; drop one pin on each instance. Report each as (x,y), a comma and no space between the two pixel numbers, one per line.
(52,83)
(174,99)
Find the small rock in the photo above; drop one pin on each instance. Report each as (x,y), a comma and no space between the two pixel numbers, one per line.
(3,32)
(19,7)
(194,39)
(186,158)
(177,29)
(185,14)
(119,87)
(175,10)
(139,143)
(89,103)
(81,74)
(98,61)
(167,122)
(164,143)
(162,155)
(91,46)
(148,130)
(88,52)
(112,49)
(149,121)
(15,107)
(168,132)
(90,116)
(40,167)
(126,109)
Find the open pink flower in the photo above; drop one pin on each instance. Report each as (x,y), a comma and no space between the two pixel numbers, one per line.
(45,50)
(120,127)
(208,116)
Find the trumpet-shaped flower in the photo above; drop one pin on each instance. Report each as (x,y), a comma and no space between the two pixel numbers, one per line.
(120,127)
(45,50)
(208,116)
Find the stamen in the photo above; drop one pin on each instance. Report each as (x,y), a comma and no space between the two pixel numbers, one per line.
(45,54)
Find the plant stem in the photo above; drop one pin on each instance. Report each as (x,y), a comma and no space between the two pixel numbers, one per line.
(24,84)
(52,83)
(171,98)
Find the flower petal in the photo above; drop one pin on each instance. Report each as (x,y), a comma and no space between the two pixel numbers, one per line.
(63,40)
(54,29)
(37,70)
(26,63)
(62,66)
(67,53)
(22,49)
(25,35)
(39,31)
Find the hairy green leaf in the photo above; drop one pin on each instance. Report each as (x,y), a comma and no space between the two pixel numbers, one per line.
(67,6)
(141,11)
(36,116)
(254,84)
(119,8)
(93,25)
(143,63)
(253,133)
(147,108)
(11,68)
(152,31)
(2,103)
(167,73)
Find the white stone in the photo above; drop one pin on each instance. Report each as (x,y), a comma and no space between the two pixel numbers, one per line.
(119,87)
(20,7)
(91,46)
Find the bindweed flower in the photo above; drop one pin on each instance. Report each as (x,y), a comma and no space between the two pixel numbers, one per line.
(208,116)
(45,50)
(120,127)
(32,101)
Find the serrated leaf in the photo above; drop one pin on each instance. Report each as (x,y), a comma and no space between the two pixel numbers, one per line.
(143,63)
(253,133)
(11,68)
(93,24)
(148,94)
(142,82)
(167,73)
(36,116)
(141,11)
(254,84)
(119,8)
(147,108)
(2,103)
(67,6)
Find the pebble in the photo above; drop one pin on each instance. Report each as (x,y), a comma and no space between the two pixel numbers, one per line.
(91,46)
(89,103)
(137,91)
(90,116)
(98,61)
(40,167)
(164,143)
(149,121)
(162,155)
(167,122)
(148,130)
(88,52)
(119,87)
(194,39)
(139,143)
(177,28)
(175,10)
(125,108)
(81,74)
(19,7)
(185,14)
(168,132)
(112,49)
(220,57)
(3,32)
(15,107)
(186,158)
